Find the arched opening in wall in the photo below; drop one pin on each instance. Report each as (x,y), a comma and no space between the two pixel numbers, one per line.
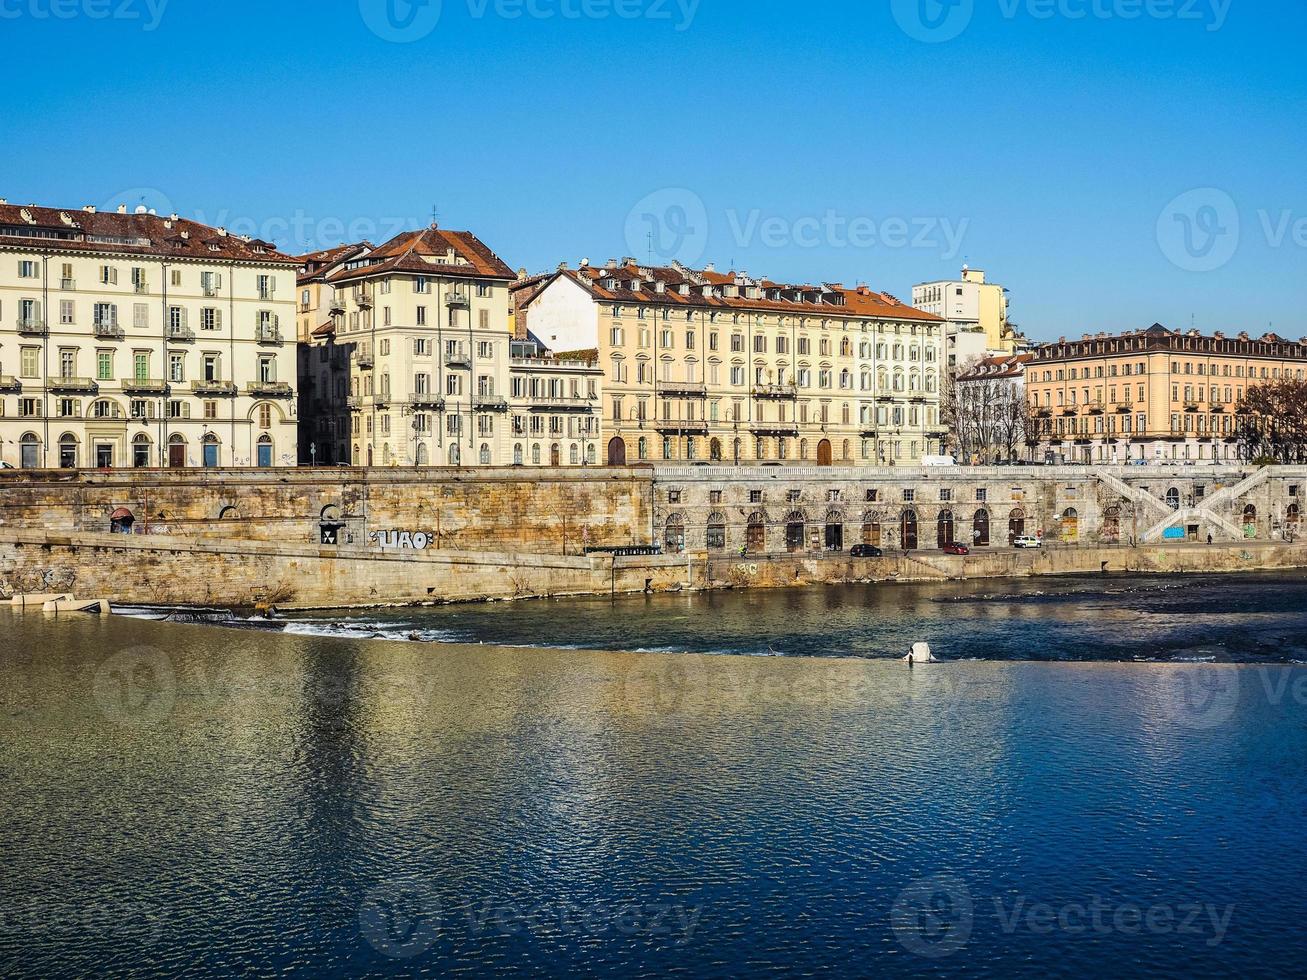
(455,455)
(834,531)
(980,528)
(1111,532)
(795,531)
(824,453)
(176,451)
(517,454)
(29,451)
(142,450)
(422,457)
(737,447)
(716,533)
(642,448)
(944,528)
(573,454)
(386,458)
(846,453)
(1016,525)
(674,535)
(616,451)
(1070,524)
(908,530)
(121,521)
(209,451)
(1292,518)
(590,454)
(755,533)
(1250,521)
(229,514)
(871,530)
(715,450)
(68,451)
(484,455)
(803,450)
(263,452)
(370,457)
(329,525)
(555,455)
(1173,498)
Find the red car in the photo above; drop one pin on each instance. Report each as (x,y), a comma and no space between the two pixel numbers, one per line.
(953,548)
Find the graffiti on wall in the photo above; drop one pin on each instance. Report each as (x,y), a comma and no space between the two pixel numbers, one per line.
(401,540)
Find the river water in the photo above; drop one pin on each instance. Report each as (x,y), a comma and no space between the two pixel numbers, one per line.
(1083,790)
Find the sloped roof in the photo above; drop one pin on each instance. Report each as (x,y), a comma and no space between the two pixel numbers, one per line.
(432,251)
(167,236)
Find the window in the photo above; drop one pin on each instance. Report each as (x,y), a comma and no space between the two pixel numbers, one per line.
(104,365)
(28,269)
(176,367)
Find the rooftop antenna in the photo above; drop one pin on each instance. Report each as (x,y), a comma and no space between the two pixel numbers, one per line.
(435,215)
(650,239)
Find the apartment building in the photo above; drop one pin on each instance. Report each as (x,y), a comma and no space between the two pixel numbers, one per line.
(135,340)
(409,359)
(975,312)
(723,367)
(1152,395)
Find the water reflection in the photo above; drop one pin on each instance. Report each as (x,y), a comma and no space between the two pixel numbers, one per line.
(232,800)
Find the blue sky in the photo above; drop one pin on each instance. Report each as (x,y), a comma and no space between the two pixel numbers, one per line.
(1113,162)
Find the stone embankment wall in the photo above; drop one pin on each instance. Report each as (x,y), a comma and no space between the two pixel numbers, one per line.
(394,536)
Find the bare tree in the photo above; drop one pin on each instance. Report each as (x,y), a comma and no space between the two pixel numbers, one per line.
(1272,423)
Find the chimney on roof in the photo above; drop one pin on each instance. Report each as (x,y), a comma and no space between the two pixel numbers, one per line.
(122,209)
(4,200)
(521,273)
(89,209)
(585,263)
(610,264)
(710,267)
(142,209)
(222,232)
(562,266)
(628,260)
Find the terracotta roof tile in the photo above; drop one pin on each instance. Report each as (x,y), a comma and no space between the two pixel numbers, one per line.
(111,232)
(417,252)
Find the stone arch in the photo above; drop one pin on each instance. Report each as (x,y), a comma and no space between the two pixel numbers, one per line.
(755,533)
(908,529)
(980,528)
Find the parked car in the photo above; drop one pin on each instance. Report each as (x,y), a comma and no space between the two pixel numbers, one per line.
(865,551)
(954,548)
(6,466)
(1026,541)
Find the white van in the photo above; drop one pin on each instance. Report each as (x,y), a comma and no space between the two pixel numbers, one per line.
(1026,541)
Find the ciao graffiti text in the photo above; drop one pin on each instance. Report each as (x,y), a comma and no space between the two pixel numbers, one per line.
(402,540)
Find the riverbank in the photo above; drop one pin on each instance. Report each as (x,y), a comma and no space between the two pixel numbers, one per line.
(169,570)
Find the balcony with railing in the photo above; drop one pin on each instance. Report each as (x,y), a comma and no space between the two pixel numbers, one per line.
(70,384)
(363,297)
(774,429)
(781,391)
(67,283)
(214,388)
(9,384)
(458,360)
(144,386)
(337,304)
(457,298)
(141,287)
(268,333)
(108,331)
(365,360)
(32,326)
(1125,407)
(681,427)
(1095,407)
(180,333)
(562,403)
(490,403)
(427,403)
(270,389)
(1191,405)
(683,389)
(1217,406)
(917,394)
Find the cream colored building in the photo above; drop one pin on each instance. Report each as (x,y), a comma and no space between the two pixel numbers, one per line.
(702,365)
(408,359)
(135,339)
(976,313)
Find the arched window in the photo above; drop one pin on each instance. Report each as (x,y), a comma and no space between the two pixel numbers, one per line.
(590,454)
(834,530)
(573,455)
(642,448)
(1250,521)
(141,451)
(980,528)
(455,455)
(1016,525)
(1173,498)
(944,528)
(535,454)
(517,454)
(1070,524)
(68,451)
(29,451)
(716,534)
(484,455)
(755,533)
(420,458)
(1111,524)
(908,530)
(674,535)
(796,531)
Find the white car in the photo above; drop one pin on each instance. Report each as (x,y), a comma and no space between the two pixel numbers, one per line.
(1026,541)
(6,466)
